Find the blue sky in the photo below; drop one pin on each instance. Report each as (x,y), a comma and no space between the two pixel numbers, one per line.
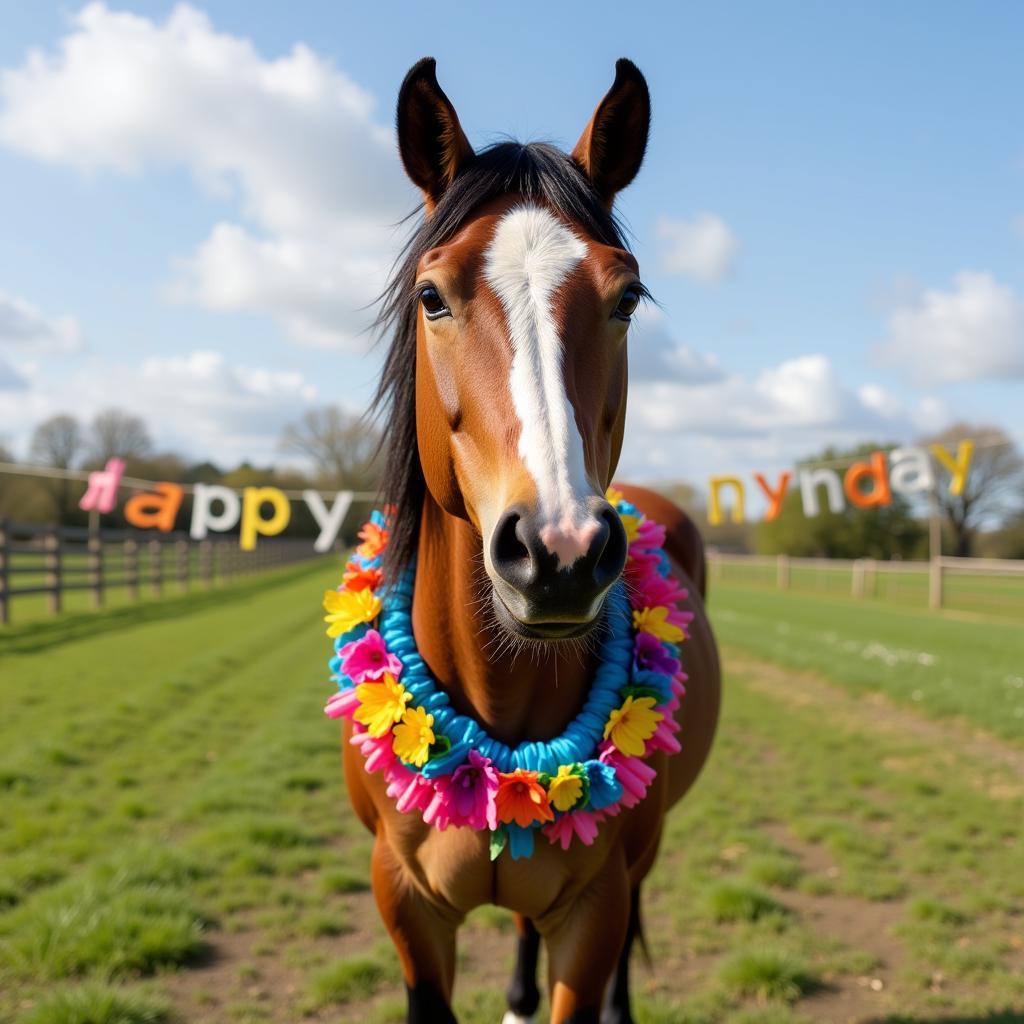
(831,212)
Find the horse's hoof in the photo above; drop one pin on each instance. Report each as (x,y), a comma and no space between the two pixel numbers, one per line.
(514,1018)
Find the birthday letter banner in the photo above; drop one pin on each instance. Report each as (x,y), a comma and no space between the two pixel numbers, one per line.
(869,483)
(256,511)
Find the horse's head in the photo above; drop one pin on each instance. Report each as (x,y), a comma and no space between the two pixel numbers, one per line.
(518,291)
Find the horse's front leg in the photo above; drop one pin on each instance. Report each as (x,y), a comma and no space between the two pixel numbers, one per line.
(584,940)
(423,935)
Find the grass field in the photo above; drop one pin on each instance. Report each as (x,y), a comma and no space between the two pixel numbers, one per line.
(901,583)
(175,843)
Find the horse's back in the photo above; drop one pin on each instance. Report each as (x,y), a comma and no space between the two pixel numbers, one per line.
(698,714)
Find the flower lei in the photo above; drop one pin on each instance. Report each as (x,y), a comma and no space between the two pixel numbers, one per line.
(444,766)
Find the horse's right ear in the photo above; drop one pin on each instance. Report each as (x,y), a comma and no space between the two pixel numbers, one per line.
(611,148)
(433,145)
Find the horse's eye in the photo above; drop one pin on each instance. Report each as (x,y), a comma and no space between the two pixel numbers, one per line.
(433,304)
(627,304)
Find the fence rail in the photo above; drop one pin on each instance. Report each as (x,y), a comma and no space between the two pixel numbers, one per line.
(54,561)
(970,584)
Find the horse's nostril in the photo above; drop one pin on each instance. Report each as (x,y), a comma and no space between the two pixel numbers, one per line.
(509,554)
(611,559)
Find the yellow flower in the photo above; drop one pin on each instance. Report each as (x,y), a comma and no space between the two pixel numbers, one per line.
(632,725)
(655,621)
(565,788)
(381,704)
(346,609)
(414,736)
(613,495)
(632,527)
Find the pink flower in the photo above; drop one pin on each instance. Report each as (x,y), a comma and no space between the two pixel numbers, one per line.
(649,534)
(343,703)
(575,823)
(663,738)
(409,790)
(650,589)
(376,750)
(367,659)
(634,774)
(438,811)
(679,617)
(470,792)
(649,654)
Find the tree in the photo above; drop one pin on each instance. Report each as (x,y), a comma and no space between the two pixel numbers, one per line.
(58,442)
(339,445)
(115,432)
(884,532)
(994,489)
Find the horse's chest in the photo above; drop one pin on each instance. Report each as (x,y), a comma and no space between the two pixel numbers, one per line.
(454,868)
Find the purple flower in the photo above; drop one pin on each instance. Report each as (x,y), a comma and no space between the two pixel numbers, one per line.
(469,793)
(367,659)
(649,655)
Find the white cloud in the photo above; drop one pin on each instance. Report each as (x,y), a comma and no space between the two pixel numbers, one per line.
(735,423)
(198,403)
(23,327)
(293,141)
(655,355)
(703,248)
(974,331)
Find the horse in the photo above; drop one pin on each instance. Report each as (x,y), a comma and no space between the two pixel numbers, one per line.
(503,392)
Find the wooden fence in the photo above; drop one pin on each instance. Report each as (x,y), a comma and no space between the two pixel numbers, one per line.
(54,561)
(968,584)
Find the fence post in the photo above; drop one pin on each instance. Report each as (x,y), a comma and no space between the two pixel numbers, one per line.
(5,601)
(156,567)
(935,583)
(52,546)
(181,556)
(857,578)
(131,568)
(782,572)
(94,546)
(205,563)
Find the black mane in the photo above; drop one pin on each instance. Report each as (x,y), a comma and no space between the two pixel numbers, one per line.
(533,170)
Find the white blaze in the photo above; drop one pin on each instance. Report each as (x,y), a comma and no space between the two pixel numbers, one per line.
(530,256)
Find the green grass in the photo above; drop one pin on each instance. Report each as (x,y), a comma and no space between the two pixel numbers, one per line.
(736,901)
(941,664)
(175,827)
(100,1004)
(768,974)
(349,980)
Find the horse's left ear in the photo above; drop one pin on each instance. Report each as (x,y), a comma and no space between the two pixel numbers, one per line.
(433,145)
(612,146)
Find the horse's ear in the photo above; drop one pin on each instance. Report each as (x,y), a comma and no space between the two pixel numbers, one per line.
(433,145)
(612,146)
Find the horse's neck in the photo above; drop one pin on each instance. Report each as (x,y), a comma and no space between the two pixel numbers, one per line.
(526,697)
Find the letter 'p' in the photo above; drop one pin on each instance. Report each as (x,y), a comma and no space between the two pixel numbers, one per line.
(253,523)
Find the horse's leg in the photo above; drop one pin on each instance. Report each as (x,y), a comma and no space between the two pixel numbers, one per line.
(522,993)
(424,938)
(584,942)
(616,999)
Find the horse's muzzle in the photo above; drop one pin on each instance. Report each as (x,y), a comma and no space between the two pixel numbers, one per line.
(550,579)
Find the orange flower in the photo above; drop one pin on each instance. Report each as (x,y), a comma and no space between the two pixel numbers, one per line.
(374,540)
(521,798)
(358,578)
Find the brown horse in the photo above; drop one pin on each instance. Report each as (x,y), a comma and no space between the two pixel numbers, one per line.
(505,395)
